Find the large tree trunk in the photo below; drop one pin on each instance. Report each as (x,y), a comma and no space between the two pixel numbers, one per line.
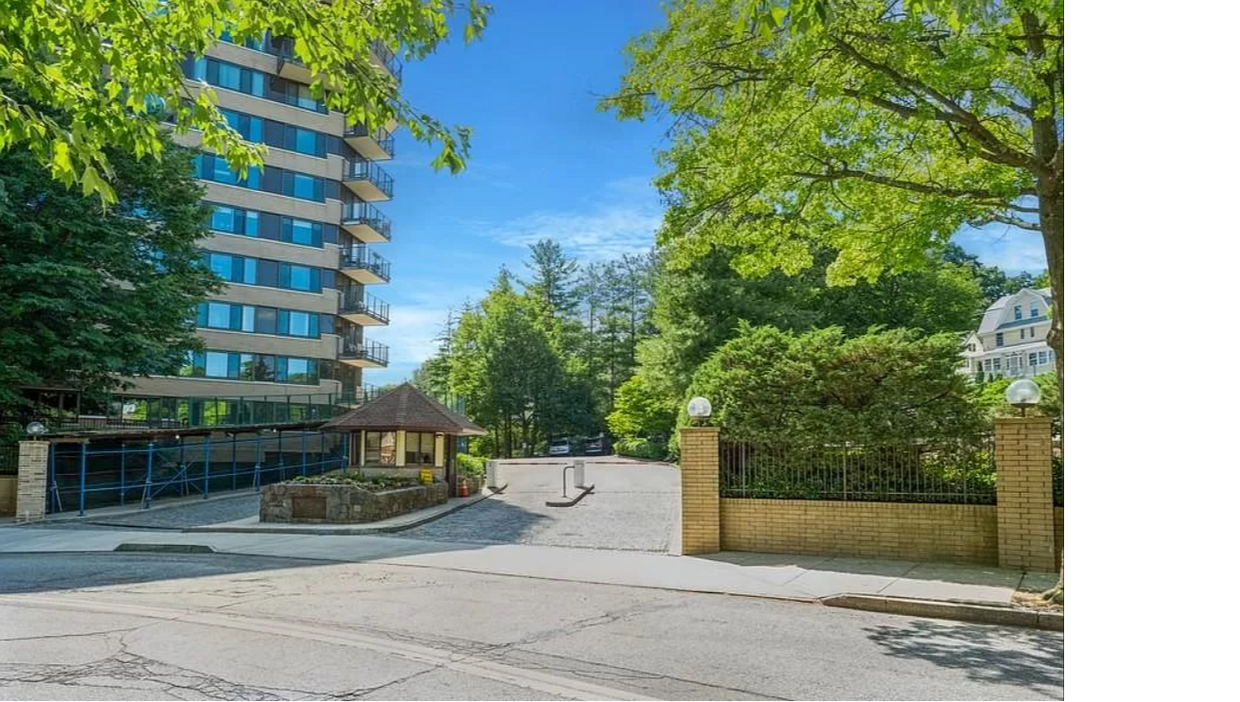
(1050,206)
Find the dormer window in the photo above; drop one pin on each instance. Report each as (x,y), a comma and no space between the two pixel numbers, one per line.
(1033,312)
(1018,314)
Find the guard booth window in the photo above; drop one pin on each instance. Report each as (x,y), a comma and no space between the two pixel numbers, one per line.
(419,449)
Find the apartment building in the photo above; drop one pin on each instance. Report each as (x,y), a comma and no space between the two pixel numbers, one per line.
(1010,342)
(297,242)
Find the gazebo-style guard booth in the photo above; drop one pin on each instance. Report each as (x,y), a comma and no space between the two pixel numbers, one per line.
(402,432)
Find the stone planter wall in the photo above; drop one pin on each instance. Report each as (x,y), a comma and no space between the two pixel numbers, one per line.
(299,503)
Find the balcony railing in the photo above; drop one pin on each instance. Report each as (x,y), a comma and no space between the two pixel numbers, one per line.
(366,222)
(363,258)
(370,352)
(373,144)
(388,59)
(358,302)
(367,179)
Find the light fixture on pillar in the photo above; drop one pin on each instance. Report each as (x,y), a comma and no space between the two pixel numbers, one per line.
(1023,393)
(36,429)
(699,410)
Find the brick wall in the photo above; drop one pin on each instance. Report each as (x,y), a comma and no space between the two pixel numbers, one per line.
(31,480)
(1023,449)
(8,495)
(1024,531)
(921,532)
(699,490)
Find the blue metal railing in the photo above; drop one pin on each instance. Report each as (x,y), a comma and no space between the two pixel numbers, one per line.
(88,476)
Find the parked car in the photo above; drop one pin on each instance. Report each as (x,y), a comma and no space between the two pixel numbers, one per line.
(597,445)
(560,447)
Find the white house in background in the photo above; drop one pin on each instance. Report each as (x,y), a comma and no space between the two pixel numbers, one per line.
(1011,340)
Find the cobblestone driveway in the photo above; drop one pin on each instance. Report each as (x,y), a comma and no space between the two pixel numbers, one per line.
(635,506)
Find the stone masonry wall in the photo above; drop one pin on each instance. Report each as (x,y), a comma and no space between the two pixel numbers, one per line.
(343,504)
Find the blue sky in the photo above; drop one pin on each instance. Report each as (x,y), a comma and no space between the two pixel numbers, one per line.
(544,163)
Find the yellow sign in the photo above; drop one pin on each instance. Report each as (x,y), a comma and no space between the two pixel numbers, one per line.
(428,476)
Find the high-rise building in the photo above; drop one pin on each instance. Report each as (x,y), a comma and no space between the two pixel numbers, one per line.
(296,242)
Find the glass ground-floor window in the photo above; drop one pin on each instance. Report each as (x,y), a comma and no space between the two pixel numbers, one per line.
(419,448)
(380,447)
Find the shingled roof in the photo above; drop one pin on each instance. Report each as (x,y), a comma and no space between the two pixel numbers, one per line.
(407,408)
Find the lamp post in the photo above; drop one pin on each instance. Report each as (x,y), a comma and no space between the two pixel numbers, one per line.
(1023,393)
(36,430)
(699,410)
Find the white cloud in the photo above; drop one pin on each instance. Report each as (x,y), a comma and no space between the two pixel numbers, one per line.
(1010,248)
(622,219)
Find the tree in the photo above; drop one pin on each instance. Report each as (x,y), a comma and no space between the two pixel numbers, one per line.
(875,128)
(640,411)
(553,279)
(86,79)
(88,295)
(699,307)
(769,385)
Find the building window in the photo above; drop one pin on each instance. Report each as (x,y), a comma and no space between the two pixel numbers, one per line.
(300,231)
(1033,312)
(217,364)
(999,339)
(1018,314)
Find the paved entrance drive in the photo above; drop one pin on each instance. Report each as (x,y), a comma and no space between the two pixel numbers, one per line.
(635,506)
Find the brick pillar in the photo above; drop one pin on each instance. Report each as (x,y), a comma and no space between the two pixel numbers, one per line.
(31,480)
(699,490)
(1023,452)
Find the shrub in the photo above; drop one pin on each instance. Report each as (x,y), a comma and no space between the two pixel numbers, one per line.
(472,466)
(642,448)
(820,387)
(373,483)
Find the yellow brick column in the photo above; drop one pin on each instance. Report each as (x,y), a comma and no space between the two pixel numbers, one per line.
(1023,452)
(31,480)
(699,490)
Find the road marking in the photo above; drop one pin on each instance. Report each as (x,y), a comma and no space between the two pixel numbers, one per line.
(464,663)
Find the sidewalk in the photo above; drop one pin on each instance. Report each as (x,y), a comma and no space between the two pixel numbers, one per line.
(800,578)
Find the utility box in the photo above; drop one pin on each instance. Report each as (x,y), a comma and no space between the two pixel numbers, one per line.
(492,473)
(579,473)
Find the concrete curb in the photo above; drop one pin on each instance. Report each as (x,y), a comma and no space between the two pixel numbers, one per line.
(337,531)
(131,546)
(958,611)
(569,503)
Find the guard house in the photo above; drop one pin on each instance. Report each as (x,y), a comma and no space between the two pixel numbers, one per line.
(402,432)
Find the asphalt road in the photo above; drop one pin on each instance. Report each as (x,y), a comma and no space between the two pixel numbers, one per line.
(159,626)
(635,506)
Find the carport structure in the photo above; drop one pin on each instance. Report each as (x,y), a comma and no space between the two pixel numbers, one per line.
(402,432)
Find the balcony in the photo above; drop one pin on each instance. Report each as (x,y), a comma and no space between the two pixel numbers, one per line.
(288,66)
(364,266)
(378,145)
(363,309)
(365,222)
(364,354)
(386,58)
(367,180)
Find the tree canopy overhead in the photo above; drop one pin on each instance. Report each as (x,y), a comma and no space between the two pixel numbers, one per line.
(78,77)
(877,129)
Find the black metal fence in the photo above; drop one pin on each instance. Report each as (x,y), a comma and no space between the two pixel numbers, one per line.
(118,472)
(952,471)
(8,459)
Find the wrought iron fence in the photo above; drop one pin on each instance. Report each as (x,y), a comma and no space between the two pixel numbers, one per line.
(86,476)
(8,459)
(953,471)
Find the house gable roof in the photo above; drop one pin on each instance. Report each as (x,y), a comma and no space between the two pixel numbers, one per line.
(407,408)
(993,318)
